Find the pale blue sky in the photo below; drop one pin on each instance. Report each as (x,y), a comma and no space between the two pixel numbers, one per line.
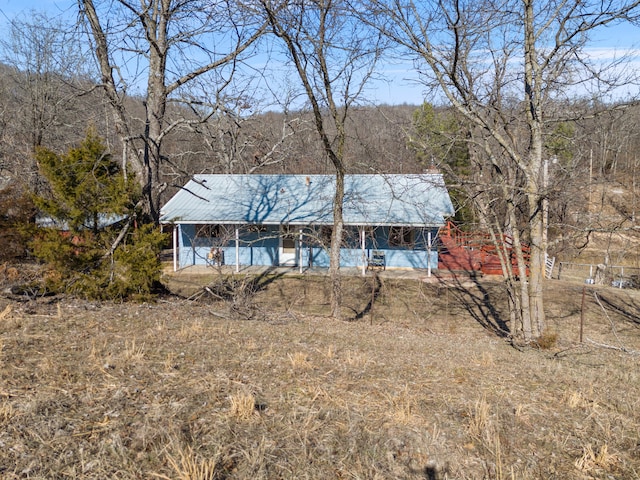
(400,85)
(10,8)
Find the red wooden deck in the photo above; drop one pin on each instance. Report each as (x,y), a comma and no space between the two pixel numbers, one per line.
(475,251)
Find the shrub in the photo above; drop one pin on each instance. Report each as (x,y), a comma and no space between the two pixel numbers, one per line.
(94,205)
(16,213)
(136,265)
(547,340)
(80,265)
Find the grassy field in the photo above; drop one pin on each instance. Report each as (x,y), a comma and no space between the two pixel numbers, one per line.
(251,380)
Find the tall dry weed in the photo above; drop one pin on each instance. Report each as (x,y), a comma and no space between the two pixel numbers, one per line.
(576,399)
(330,352)
(590,460)
(6,412)
(243,406)
(479,421)
(191,330)
(356,359)
(190,466)
(5,313)
(299,361)
(133,352)
(482,428)
(402,406)
(170,362)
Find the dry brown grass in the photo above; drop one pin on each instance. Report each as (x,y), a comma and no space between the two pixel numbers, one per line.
(187,465)
(299,361)
(180,390)
(243,406)
(547,340)
(600,460)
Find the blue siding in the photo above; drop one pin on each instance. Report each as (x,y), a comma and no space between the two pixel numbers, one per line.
(263,249)
(255,248)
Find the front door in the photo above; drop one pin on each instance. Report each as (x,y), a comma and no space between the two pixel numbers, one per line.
(288,246)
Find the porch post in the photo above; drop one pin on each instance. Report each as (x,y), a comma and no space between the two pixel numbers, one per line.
(429,244)
(175,247)
(364,253)
(300,250)
(237,249)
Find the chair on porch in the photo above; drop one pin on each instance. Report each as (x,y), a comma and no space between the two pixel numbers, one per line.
(215,257)
(377,260)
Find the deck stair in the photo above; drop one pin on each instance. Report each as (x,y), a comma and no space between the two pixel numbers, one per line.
(474,251)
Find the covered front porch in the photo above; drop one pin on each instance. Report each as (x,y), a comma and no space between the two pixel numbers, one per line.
(303,247)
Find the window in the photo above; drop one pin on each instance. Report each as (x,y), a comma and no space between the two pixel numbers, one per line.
(321,236)
(212,231)
(257,228)
(401,237)
(325,235)
(289,244)
(351,237)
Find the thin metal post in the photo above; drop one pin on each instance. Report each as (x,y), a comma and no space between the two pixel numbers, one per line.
(363,234)
(175,247)
(237,249)
(584,294)
(300,250)
(621,275)
(559,270)
(429,244)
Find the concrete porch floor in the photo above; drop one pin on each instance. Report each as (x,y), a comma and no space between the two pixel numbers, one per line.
(391,273)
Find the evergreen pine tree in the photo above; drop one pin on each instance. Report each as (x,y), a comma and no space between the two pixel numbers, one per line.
(90,203)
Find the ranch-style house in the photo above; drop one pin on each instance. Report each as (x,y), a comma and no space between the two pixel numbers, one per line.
(391,221)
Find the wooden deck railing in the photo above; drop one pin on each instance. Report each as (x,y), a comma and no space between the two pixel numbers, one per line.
(482,243)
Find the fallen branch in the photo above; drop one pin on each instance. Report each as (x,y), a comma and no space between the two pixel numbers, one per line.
(212,293)
(195,296)
(613,347)
(5,312)
(121,235)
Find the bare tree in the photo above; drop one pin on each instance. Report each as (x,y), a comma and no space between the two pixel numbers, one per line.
(500,65)
(4,121)
(333,55)
(159,47)
(44,81)
(248,144)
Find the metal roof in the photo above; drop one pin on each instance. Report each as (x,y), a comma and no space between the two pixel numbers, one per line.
(410,200)
(104,220)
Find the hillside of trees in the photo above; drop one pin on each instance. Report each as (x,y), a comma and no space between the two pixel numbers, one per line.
(593,160)
(56,111)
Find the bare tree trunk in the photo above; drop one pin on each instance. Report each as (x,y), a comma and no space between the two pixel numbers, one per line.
(534,170)
(471,50)
(109,85)
(155,109)
(336,243)
(156,28)
(327,71)
(536,269)
(524,312)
